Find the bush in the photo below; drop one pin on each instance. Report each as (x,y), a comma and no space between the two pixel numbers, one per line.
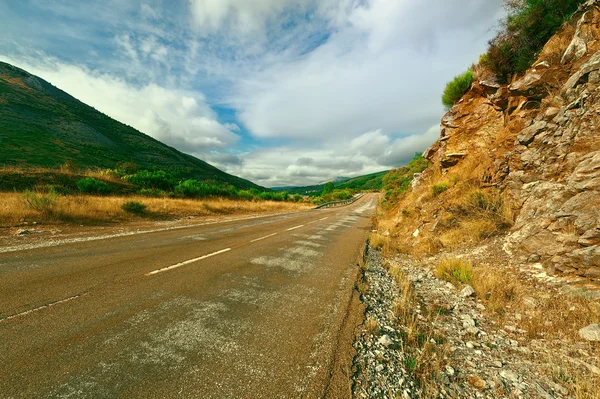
(457,88)
(191,189)
(92,186)
(137,208)
(439,188)
(526,29)
(158,179)
(41,202)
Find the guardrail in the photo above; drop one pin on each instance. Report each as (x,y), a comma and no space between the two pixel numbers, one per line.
(340,203)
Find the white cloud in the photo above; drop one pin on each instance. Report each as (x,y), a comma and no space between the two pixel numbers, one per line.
(179,118)
(385,68)
(350,86)
(368,153)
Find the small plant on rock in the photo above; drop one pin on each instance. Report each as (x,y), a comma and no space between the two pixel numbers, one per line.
(456,89)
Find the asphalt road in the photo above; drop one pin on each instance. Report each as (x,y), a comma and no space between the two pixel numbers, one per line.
(241,309)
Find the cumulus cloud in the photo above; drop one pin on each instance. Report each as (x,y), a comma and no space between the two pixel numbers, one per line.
(370,152)
(385,68)
(277,91)
(179,118)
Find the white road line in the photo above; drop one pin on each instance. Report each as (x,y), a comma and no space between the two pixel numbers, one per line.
(324,218)
(187,262)
(41,308)
(294,228)
(262,238)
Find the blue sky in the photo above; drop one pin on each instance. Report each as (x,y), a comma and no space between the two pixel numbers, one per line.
(281,92)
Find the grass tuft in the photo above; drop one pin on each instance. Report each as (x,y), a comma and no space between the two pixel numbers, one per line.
(455,270)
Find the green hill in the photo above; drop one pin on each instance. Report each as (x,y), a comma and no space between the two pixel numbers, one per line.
(370,182)
(42,126)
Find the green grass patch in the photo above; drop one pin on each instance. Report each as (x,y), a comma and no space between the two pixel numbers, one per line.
(439,188)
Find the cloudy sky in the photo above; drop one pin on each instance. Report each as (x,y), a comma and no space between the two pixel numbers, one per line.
(281,92)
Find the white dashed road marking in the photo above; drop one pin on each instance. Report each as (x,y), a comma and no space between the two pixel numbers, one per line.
(41,307)
(324,218)
(187,262)
(262,238)
(294,228)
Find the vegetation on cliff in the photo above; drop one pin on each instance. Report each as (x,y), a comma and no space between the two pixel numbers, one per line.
(457,88)
(527,28)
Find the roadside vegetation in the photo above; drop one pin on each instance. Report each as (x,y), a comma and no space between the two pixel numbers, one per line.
(102,196)
(25,209)
(397,182)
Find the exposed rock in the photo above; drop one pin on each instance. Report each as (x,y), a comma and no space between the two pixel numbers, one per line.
(477,382)
(451,160)
(531,85)
(22,232)
(467,291)
(528,134)
(590,333)
(385,340)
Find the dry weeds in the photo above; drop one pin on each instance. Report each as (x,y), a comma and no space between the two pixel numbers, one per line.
(85,209)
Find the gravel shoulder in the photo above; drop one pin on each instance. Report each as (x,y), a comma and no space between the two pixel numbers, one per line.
(473,356)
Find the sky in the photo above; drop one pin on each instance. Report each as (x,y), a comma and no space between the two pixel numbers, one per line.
(280,92)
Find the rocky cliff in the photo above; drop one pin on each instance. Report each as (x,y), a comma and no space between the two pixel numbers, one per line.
(537,139)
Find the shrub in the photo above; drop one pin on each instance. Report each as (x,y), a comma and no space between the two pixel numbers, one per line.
(41,202)
(191,189)
(92,186)
(158,179)
(526,29)
(457,88)
(439,188)
(454,270)
(137,208)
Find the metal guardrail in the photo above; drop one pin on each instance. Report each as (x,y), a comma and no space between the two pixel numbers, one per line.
(341,203)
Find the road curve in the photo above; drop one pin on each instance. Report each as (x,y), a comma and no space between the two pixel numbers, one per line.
(241,309)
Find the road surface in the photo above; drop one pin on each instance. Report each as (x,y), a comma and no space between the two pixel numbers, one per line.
(243,309)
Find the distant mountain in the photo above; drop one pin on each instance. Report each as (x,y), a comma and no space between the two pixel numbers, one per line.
(370,182)
(334,180)
(41,125)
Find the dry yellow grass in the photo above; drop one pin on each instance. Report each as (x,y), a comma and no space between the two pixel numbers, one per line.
(544,314)
(371,326)
(463,212)
(85,209)
(424,358)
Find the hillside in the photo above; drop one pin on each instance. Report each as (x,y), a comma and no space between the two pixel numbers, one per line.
(370,182)
(42,126)
(494,249)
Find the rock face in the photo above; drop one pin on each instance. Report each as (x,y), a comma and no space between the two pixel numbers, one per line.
(540,136)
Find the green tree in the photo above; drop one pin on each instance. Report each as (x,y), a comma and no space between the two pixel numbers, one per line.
(328,189)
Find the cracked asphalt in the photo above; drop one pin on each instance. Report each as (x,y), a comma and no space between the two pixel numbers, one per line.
(252,308)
